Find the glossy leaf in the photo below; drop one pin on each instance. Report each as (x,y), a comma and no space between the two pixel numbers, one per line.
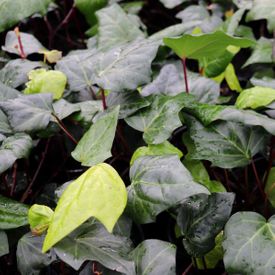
(4,243)
(42,81)
(208,45)
(92,242)
(270,186)
(162,149)
(154,257)
(158,183)
(95,146)
(30,259)
(226,144)
(116,28)
(14,11)
(12,213)
(249,244)
(201,218)
(160,119)
(29,113)
(99,192)
(255,97)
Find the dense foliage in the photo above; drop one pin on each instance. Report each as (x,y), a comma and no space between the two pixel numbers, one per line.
(137,137)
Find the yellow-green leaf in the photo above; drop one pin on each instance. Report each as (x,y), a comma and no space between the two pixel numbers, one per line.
(43,81)
(232,79)
(99,193)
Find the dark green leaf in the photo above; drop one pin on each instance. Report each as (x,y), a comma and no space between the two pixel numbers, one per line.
(158,183)
(270,186)
(249,244)
(201,218)
(154,257)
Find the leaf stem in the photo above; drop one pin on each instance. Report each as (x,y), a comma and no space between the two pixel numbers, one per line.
(258,181)
(63,128)
(187,269)
(21,48)
(14,177)
(104,104)
(183,60)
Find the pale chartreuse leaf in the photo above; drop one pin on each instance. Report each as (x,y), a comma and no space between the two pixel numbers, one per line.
(262,9)
(116,28)
(39,217)
(213,257)
(30,259)
(43,81)
(200,174)
(12,213)
(15,72)
(129,102)
(158,183)
(30,43)
(28,113)
(51,56)
(201,218)
(262,52)
(95,146)
(170,81)
(99,193)
(270,186)
(162,149)
(4,243)
(249,245)
(255,97)
(208,45)
(160,119)
(226,144)
(12,12)
(155,257)
(232,79)
(91,241)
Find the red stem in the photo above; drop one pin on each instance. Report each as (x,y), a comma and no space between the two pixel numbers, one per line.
(183,60)
(65,20)
(21,48)
(258,181)
(187,269)
(14,176)
(103,99)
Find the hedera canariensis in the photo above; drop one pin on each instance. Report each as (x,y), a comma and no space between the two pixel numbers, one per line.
(137,137)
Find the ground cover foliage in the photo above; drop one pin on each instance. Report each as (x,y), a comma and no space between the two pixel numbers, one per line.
(137,137)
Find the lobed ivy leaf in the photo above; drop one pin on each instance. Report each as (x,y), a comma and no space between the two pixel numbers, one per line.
(249,246)
(99,192)
(4,243)
(63,108)
(154,257)
(225,144)
(28,113)
(92,242)
(12,213)
(201,218)
(30,259)
(96,144)
(14,11)
(158,183)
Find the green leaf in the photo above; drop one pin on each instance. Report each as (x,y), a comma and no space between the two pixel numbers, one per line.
(154,257)
(226,144)
(249,244)
(208,45)
(262,10)
(29,113)
(43,81)
(162,149)
(95,146)
(247,4)
(129,102)
(4,243)
(232,79)
(201,218)
(158,183)
(270,186)
(99,192)
(63,108)
(15,72)
(7,92)
(262,52)
(116,28)
(12,213)
(12,12)
(30,44)
(170,4)
(264,81)
(170,81)
(39,217)
(255,97)
(92,242)
(30,259)
(160,119)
